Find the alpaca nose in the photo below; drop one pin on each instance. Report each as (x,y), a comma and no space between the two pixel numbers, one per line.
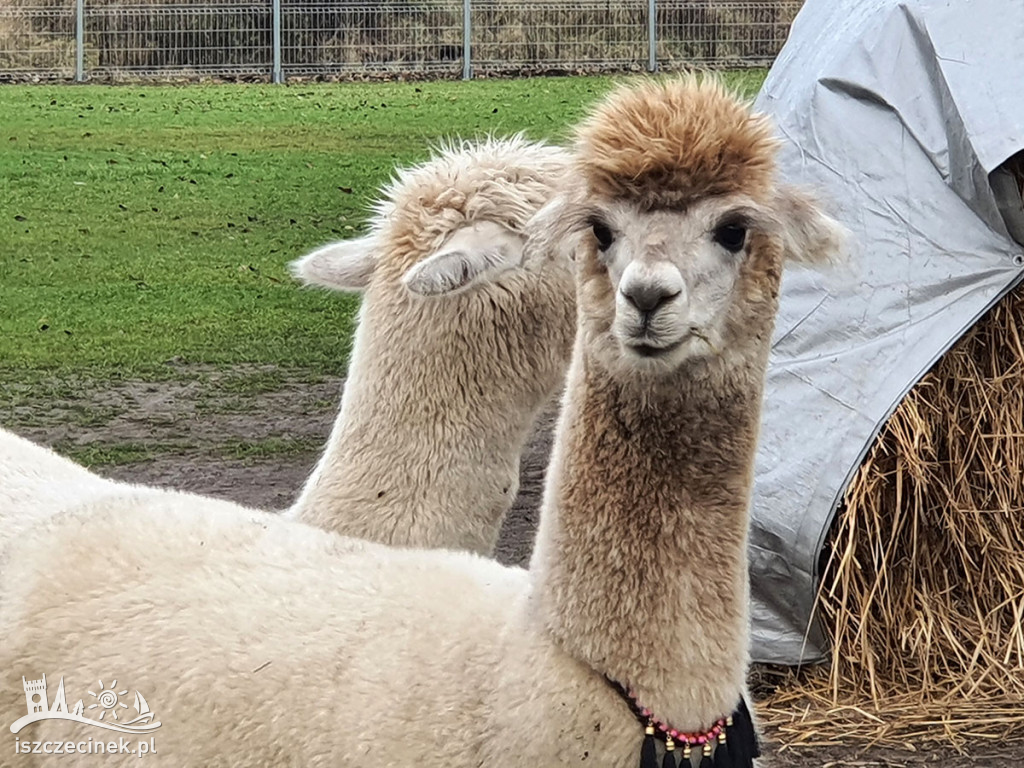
(647,297)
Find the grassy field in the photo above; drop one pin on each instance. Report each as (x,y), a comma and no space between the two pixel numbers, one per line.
(145,232)
(140,224)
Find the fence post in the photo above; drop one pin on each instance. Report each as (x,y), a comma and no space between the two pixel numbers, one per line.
(652,35)
(467,31)
(277,76)
(80,41)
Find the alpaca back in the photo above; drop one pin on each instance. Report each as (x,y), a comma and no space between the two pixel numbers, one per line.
(262,641)
(252,637)
(35,482)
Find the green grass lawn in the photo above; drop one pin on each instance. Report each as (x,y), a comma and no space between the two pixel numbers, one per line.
(143,224)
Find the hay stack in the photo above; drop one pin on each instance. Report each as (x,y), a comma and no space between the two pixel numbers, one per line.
(922,594)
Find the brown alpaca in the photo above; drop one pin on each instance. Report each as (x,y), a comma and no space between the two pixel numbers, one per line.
(268,642)
(641,558)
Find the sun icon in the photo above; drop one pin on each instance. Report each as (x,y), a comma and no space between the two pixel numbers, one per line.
(108,700)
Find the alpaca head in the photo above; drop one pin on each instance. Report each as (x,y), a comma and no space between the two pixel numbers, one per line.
(682,230)
(448,225)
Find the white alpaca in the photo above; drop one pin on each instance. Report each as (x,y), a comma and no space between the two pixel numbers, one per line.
(260,641)
(461,341)
(35,483)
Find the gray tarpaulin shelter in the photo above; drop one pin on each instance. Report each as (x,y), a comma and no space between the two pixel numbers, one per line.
(897,112)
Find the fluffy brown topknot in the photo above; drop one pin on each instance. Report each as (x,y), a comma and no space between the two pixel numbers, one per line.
(667,144)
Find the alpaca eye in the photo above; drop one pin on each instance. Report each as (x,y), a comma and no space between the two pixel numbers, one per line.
(603,234)
(732,237)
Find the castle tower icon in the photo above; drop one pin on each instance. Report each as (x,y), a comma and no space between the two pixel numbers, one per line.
(35,695)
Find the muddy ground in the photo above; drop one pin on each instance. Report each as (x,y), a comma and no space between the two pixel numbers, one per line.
(209,432)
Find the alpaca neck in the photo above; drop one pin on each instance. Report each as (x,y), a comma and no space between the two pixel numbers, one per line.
(375,481)
(640,566)
(433,418)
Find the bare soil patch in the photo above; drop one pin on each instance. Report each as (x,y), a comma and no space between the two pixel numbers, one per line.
(250,435)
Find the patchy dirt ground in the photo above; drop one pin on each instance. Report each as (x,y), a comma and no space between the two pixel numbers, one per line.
(252,435)
(223,434)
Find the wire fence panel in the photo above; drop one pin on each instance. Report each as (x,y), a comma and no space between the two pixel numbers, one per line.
(328,38)
(722,34)
(559,35)
(37,41)
(190,39)
(178,39)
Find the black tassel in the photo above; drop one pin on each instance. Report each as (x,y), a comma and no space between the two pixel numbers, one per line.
(705,760)
(648,753)
(736,737)
(669,761)
(722,757)
(745,737)
(754,743)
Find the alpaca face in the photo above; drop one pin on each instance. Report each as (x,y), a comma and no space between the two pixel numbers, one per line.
(684,227)
(662,287)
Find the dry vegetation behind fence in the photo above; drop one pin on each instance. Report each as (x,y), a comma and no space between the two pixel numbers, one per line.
(194,38)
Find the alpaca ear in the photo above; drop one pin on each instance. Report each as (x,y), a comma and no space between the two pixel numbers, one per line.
(810,236)
(555,230)
(346,265)
(474,254)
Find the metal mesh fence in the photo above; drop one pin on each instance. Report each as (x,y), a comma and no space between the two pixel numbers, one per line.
(559,36)
(710,33)
(37,41)
(177,39)
(184,39)
(390,37)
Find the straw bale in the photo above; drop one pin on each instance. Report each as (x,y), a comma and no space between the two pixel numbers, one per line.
(922,593)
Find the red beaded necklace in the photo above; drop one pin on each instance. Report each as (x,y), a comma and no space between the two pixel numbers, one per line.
(729,743)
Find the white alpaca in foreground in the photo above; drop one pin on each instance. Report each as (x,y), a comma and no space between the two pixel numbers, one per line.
(259,641)
(461,340)
(36,482)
